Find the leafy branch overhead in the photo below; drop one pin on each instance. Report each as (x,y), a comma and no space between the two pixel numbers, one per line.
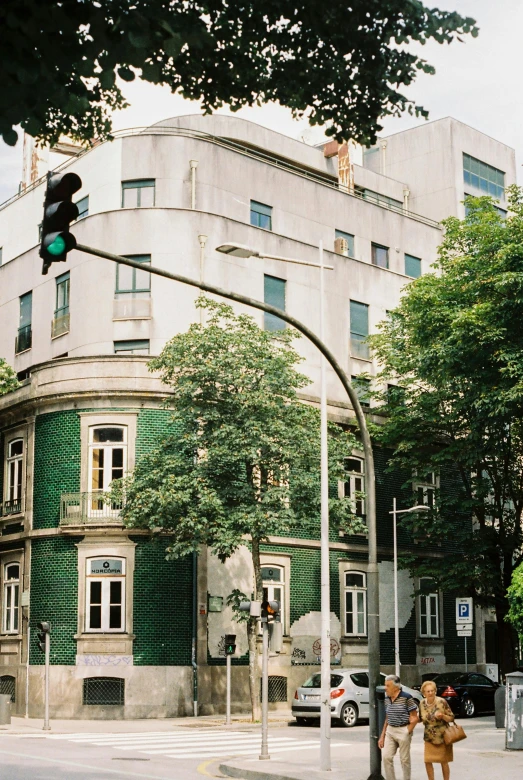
(342,64)
(8,378)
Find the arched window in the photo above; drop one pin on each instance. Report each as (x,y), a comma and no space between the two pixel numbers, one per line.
(274,587)
(11,604)
(355,603)
(107,460)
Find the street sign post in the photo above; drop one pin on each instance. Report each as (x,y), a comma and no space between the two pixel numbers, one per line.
(464,621)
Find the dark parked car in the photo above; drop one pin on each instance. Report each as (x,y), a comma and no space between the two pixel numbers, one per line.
(467,694)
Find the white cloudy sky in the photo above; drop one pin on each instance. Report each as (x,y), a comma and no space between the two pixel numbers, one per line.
(477,82)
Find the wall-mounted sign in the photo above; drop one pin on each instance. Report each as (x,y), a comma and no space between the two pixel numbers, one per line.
(215,603)
(108,567)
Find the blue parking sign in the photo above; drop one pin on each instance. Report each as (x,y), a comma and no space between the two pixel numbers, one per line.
(464,610)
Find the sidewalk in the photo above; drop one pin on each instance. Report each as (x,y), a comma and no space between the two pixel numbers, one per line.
(482,756)
(35,725)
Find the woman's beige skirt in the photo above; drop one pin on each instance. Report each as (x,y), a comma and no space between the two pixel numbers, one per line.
(438,754)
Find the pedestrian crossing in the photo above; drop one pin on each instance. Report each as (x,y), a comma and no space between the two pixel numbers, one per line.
(196,744)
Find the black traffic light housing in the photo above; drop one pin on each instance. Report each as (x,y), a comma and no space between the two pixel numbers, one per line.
(59,212)
(230,644)
(270,610)
(44,627)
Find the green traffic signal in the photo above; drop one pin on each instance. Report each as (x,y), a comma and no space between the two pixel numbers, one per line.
(57,247)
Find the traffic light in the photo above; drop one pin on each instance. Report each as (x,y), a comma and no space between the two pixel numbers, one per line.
(59,212)
(44,627)
(270,610)
(252,607)
(230,644)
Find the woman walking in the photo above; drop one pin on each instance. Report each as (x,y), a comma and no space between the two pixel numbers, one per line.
(435,713)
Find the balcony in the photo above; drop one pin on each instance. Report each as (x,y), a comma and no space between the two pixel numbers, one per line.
(92,509)
(60,324)
(24,339)
(13,507)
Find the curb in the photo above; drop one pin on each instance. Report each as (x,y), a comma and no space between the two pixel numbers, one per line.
(252,774)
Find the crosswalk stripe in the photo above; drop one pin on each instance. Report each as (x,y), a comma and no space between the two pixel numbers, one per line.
(174,740)
(161,747)
(130,736)
(250,752)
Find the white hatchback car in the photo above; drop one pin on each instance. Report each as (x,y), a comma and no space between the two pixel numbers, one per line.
(349,697)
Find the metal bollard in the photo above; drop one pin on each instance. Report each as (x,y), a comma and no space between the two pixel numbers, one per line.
(499,706)
(5,709)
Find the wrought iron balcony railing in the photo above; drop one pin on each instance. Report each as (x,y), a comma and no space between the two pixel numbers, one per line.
(24,339)
(94,508)
(13,507)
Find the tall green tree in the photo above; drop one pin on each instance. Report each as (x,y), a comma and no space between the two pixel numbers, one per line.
(241,459)
(455,347)
(344,65)
(8,378)
(515,598)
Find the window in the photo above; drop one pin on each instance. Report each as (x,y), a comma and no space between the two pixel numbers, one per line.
(354,485)
(62,295)
(83,207)
(24,338)
(359,330)
(138,193)
(346,249)
(502,212)
(11,605)
(425,486)
(107,462)
(484,177)
(362,387)
(138,347)
(355,603)
(133,282)
(273,294)
(1,254)
(428,610)
(261,215)
(105,592)
(274,586)
(15,457)
(103,691)
(412,266)
(378,198)
(380,255)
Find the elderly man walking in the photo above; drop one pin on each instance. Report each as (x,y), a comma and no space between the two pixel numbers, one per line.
(400,721)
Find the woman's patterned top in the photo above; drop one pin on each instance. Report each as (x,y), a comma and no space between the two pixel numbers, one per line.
(434,728)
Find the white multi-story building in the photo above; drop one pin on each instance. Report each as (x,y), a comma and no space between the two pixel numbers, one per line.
(170,195)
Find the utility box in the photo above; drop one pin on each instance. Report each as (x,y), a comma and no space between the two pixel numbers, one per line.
(5,709)
(380,701)
(514,718)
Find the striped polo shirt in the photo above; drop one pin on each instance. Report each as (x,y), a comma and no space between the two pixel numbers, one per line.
(398,710)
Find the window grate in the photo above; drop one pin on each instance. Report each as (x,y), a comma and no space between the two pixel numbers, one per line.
(8,685)
(277,688)
(104,691)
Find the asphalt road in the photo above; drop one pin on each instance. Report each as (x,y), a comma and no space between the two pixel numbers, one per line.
(181,752)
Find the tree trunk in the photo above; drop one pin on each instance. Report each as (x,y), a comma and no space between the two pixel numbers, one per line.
(254,672)
(506,646)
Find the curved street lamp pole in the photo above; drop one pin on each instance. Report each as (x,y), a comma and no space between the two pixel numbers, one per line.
(372,574)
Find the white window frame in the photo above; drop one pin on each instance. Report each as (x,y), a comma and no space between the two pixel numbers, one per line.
(110,419)
(15,466)
(269,587)
(425,489)
(349,487)
(11,599)
(105,604)
(429,609)
(354,591)
(96,505)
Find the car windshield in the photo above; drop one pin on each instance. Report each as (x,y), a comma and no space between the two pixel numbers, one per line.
(315,681)
(451,677)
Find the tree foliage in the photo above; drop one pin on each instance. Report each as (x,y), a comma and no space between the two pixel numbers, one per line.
(241,459)
(515,597)
(344,65)
(455,347)
(8,378)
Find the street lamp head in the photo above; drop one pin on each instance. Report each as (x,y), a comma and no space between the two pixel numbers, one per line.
(237,250)
(418,508)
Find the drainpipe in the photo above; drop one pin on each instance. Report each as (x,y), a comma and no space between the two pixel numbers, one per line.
(194,165)
(194,632)
(383,153)
(203,240)
(406,196)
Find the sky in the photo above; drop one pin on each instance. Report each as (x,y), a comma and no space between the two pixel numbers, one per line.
(477,82)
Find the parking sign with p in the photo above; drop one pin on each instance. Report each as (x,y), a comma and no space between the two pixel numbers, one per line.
(464,612)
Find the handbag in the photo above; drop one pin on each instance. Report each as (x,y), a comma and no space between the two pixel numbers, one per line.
(454,733)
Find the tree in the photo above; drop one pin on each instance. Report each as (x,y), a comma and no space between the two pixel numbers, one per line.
(515,597)
(8,379)
(241,460)
(343,65)
(455,347)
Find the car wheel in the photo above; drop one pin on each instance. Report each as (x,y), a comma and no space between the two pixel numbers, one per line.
(349,715)
(302,721)
(468,708)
